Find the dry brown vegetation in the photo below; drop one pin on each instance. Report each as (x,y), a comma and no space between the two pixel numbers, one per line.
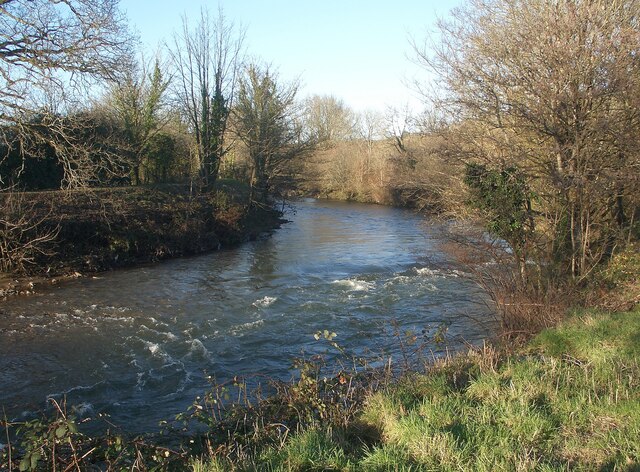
(378,171)
(547,90)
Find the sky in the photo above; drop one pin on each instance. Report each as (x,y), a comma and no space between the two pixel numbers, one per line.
(356,50)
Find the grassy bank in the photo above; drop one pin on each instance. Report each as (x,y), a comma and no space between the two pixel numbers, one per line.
(569,400)
(79,232)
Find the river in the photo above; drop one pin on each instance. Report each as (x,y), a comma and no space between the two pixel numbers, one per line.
(138,344)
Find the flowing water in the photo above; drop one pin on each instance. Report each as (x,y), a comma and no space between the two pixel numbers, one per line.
(139,344)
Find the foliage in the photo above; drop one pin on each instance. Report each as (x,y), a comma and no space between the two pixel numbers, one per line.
(55,151)
(618,284)
(624,267)
(266,122)
(54,54)
(504,196)
(60,233)
(558,404)
(566,401)
(41,170)
(58,444)
(162,158)
(137,102)
(206,60)
(241,422)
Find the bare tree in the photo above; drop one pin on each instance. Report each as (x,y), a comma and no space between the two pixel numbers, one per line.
(267,122)
(547,87)
(51,52)
(328,122)
(24,234)
(370,126)
(370,129)
(207,59)
(398,124)
(328,119)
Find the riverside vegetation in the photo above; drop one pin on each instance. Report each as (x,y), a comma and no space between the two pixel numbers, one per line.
(532,135)
(567,400)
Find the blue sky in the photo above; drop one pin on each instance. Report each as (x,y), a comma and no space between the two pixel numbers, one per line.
(356,50)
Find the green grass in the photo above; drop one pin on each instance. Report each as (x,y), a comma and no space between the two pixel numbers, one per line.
(570,400)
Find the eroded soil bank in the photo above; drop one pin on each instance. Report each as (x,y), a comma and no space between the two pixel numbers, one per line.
(85,232)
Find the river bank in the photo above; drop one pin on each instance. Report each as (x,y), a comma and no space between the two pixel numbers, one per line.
(325,284)
(91,231)
(567,400)
(366,272)
(96,230)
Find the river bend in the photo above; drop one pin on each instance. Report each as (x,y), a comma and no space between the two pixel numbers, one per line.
(138,344)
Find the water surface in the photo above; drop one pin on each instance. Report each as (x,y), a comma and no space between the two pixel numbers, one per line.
(138,344)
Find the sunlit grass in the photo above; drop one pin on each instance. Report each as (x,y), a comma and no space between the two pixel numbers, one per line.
(569,401)
(572,402)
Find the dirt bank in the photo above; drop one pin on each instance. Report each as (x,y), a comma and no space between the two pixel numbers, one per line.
(105,229)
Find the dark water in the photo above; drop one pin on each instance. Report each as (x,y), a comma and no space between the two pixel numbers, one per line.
(138,344)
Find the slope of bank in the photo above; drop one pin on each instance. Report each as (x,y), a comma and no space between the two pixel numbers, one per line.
(570,400)
(83,232)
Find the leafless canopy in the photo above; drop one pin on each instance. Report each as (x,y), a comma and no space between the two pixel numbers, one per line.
(44,41)
(52,52)
(328,119)
(207,59)
(552,87)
